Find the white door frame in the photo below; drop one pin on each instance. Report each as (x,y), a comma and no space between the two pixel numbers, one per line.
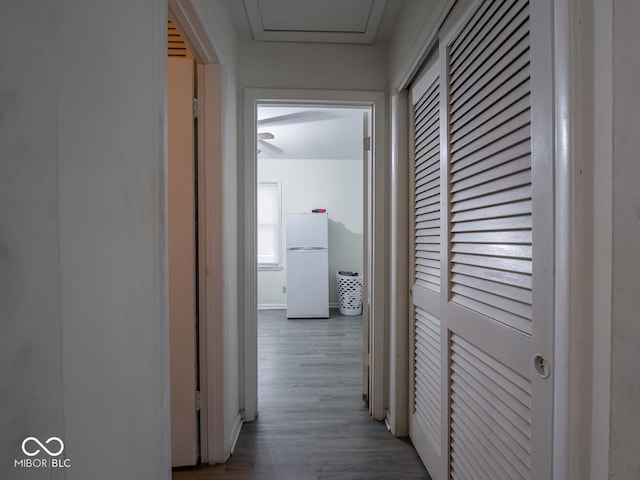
(399,332)
(209,167)
(376,100)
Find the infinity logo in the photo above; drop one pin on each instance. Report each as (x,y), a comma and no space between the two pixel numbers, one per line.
(42,446)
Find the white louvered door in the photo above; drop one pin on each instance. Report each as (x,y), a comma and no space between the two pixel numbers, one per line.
(426,414)
(484,252)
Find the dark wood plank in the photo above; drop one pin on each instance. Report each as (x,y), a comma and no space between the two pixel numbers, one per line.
(312,423)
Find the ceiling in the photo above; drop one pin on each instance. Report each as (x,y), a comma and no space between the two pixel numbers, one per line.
(327,21)
(310,133)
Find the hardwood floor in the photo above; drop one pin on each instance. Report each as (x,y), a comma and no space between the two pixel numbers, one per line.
(312,421)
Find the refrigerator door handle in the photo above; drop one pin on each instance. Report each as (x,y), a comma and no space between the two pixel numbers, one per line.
(302,249)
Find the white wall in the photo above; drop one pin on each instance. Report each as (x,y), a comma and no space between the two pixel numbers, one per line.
(624,461)
(417,24)
(31,400)
(112,167)
(602,208)
(85,331)
(309,66)
(307,184)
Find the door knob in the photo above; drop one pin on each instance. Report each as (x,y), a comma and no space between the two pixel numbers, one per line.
(542,366)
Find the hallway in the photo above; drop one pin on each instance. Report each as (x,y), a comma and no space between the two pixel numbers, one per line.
(312,422)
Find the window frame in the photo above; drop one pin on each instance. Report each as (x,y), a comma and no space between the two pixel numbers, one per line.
(277,265)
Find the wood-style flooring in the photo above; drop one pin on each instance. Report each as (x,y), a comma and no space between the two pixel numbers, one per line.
(312,424)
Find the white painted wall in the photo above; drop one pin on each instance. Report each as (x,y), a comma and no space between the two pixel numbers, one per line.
(31,400)
(624,461)
(112,167)
(307,184)
(417,24)
(82,222)
(311,66)
(602,242)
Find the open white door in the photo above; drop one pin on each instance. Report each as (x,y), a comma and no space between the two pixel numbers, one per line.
(483,276)
(182,263)
(367,223)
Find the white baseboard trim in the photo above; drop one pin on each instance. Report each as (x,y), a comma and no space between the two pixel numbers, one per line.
(235,432)
(272,306)
(223,459)
(387,421)
(283,306)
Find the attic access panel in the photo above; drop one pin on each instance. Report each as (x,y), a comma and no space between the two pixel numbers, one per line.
(332,21)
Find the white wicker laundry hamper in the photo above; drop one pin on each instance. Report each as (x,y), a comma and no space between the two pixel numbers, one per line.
(349,292)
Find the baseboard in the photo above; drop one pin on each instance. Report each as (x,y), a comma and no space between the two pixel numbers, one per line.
(272,306)
(223,459)
(235,432)
(283,306)
(387,421)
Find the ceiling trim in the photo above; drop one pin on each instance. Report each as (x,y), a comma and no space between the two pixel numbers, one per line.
(367,37)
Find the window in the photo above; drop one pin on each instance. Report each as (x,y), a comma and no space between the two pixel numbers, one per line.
(269,226)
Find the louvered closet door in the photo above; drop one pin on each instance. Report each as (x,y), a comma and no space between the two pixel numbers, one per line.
(426,414)
(495,268)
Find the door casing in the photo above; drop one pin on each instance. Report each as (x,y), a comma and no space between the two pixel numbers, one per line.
(378,271)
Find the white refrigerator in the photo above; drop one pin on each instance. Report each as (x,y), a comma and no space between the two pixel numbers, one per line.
(307,265)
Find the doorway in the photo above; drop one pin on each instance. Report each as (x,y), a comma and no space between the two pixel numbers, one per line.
(373,264)
(205,350)
(182,206)
(311,158)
